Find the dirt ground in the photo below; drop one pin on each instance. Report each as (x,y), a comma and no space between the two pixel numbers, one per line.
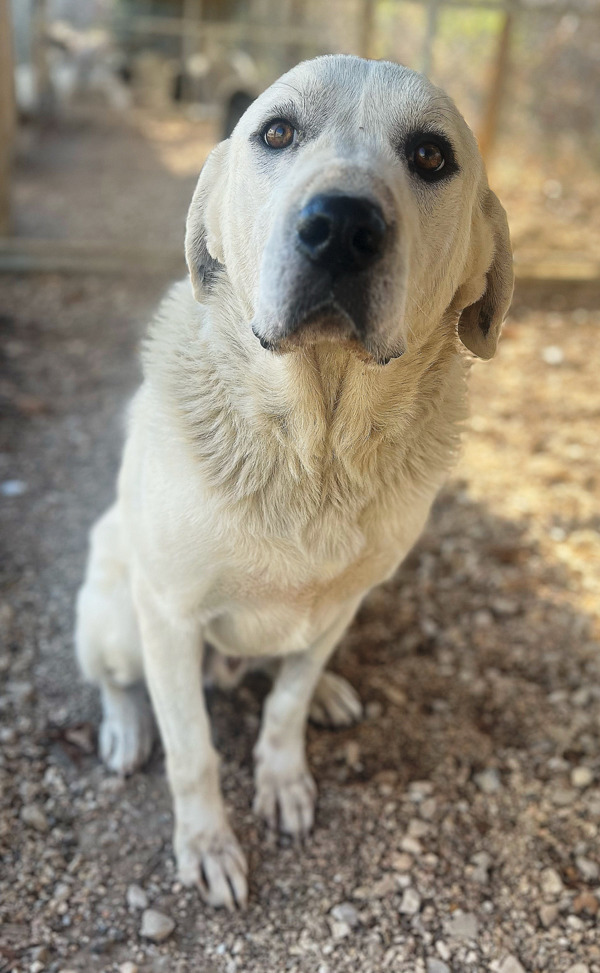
(457,825)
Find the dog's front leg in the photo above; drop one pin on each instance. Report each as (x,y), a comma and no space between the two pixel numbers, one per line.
(285,789)
(208,854)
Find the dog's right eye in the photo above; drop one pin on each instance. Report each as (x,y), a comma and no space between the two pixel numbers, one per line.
(279,133)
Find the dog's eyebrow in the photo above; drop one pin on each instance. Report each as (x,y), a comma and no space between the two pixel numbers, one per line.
(286,109)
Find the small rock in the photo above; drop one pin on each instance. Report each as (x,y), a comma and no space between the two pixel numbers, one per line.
(156,926)
(13,488)
(339,930)
(36,967)
(511,965)
(551,882)
(128,967)
(373,710)
(411,902)
(21,691)
(488,781)
(402,862)
(548,914)
(411,845)
(588,869)
(345,912)
(581,777)
(579,968)
(443,949)
(586,902)
(380,889)
(553,355)
(418,828)
(463,925)
(437,966)
(563,796)
(33,816)
(482,862)
(41,954)
(428,808)
(136,897)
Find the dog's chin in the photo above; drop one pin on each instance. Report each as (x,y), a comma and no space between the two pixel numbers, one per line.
(328,325)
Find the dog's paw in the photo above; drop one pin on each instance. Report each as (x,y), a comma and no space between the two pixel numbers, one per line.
(127,732)
(286,802)
(335,702)
(216,864)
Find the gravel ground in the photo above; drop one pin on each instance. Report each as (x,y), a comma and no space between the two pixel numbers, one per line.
(457,826)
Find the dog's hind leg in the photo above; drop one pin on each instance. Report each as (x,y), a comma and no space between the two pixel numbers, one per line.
(109,651)
(335,702)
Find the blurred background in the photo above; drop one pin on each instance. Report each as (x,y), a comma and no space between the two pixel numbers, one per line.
(104,101)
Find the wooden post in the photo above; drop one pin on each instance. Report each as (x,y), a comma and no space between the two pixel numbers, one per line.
(7,113)
(192,12)
(489,128)
(46,106)
(366,22)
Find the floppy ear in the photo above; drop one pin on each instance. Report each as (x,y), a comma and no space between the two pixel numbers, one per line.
(483,311)
(203,246)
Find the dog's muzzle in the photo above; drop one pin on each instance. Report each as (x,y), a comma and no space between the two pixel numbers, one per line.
(340,248)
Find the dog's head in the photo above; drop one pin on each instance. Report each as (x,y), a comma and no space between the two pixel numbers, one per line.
(351,204)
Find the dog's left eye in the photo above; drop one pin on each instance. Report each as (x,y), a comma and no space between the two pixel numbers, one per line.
(279,133)
(428,158)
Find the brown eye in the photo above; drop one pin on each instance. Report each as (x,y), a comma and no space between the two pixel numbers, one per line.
(429,158)
(279,134)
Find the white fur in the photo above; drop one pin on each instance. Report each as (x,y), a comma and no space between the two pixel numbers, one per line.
(263,493)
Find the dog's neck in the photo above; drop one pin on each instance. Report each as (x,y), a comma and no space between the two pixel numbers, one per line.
(252,416)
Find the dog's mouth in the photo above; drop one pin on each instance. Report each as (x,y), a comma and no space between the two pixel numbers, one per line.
(328,322)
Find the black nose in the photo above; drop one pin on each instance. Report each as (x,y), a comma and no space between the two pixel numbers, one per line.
(341,233)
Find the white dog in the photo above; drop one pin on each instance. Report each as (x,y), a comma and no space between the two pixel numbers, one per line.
(302,402)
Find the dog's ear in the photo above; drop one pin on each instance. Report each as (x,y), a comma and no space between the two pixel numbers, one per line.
(203,246)
(484,299)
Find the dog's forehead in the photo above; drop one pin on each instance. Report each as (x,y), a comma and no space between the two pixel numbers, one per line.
(353,92)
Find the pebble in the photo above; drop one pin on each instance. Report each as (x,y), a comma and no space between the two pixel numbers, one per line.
(551,882)
(411,845)
(586,902)
(563,796)
(13,488)
(511,965)
(33,816)
(548,914)
(437,966)
(340,930)
(21,691)
(156,926)
(428,808)
(588,869)
(488,781)
(136,897)
(581,777)
(402,862)
(463,925)
(443,949)
(553,355)
(345,912)
(41,954)
(482,861)
(411,902)
(129,967)
(579,968)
